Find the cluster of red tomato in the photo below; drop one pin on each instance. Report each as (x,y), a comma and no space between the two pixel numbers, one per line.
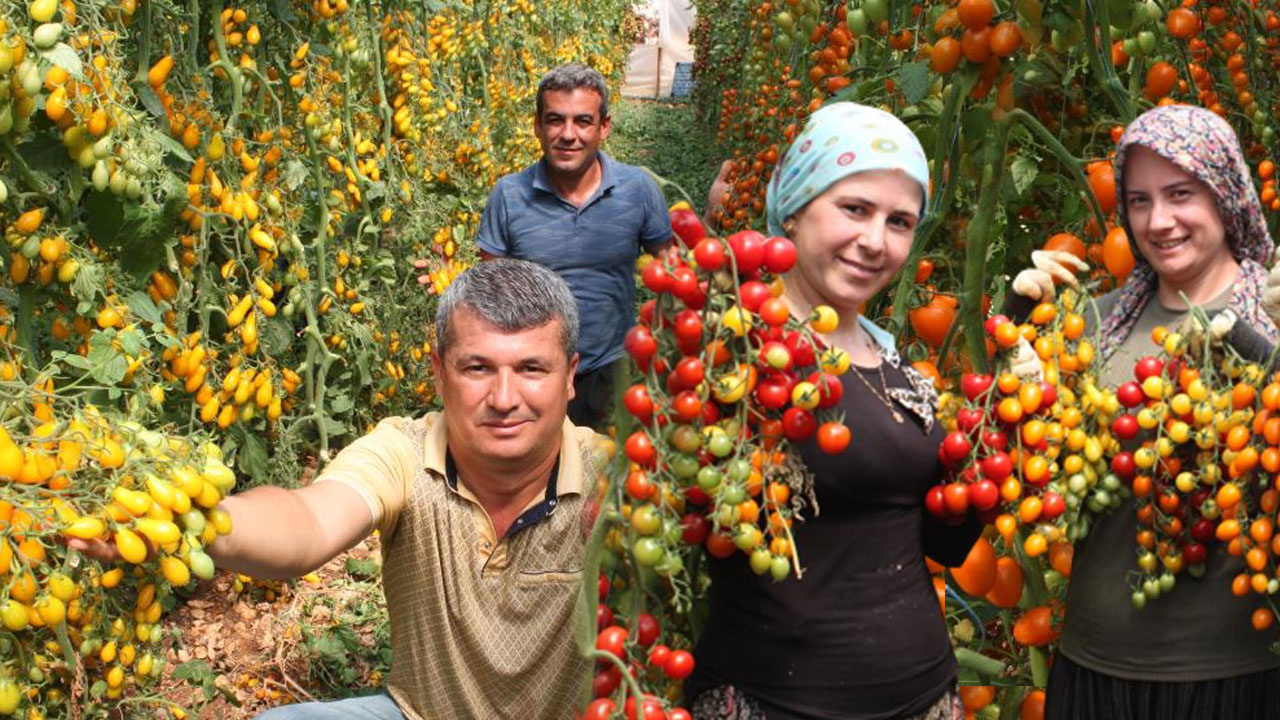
(978,454)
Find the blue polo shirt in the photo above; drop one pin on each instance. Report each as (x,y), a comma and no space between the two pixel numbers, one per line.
(593,247)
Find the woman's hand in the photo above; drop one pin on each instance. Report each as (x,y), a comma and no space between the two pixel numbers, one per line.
(1048,267)
(1271,295)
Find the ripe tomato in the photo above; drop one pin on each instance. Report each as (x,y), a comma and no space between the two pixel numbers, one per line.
(709,253)
(640,449)
(975,14)
(1066,242)
(753,293)
(720,545)
(695,528)
(679,665)
(1006,38)
(600,709)
(983,495)
(690,371)
(975,386)
(647,629)
(935,501)
(679,714)
(830,389)
(640,486)
(978,573)
(640,343)
(976,45)
(945,58)
(656,277)
(1035,627)
(658,655)
(748,250)
(802,353)
(774,312)
(779,255)
(1032,707)
(1130,394)
(688,227)
(650,709)
(1161,77)
(687,406)
(1006,591)
(833,438)
(956,446)
(1052,505)
(1117,253)
(924,268)
(613,639)
(1102,183)
(687,326)
(605,682)
(1182,23)
(956,497)
(1147,367)
(773,392)
(976,697)
(997,466)
(798,424)
(637,402)
(1125,427)
(932,321)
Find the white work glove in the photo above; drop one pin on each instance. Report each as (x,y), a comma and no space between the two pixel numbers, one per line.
(1036,282)
(1219,327)
(1026,363)
(1271,295)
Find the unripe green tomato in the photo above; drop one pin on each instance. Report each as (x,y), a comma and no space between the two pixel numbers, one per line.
(1152,11)
(760,560)
(1147,42)
(780,568)
(30,247)
(1131,47)
(648,551)
(784,21)
(684,466)
(4,191)
(733,494)
(101,176)
(1151,588)
(1167,581)
(877,10)
(118,183)
(709,478)
(1138,600)
(133,188)
(47,35)
(856,21)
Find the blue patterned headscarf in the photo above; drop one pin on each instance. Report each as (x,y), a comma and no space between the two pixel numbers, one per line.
(839,140)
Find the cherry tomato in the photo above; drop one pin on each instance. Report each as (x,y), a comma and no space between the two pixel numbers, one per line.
(637,402)
(640,449)
(606,681)
(753,293)
(613,639)
(688,228)
(687,406)
(774,312)
(833,438)
(830,389)
(647,629)
(604,617)
(640,343)
(802,352)
(687,326)
(974,386)
(983,495)
(658,655)
(650,709)
(956,446)
(798,424)
(679,665)
(956,498)
(695,528)
(779,255)
(935,501)
(656,277)
(997,466)
(600,709)
(748,250)
(1147,367)
(690,371)
(1125,427)
(709,254)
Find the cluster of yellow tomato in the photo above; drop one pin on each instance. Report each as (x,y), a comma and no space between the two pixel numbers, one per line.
(72,473)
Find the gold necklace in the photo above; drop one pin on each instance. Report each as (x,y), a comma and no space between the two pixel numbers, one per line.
(882,397)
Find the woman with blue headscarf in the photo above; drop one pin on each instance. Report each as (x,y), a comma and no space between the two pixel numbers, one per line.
(859,636)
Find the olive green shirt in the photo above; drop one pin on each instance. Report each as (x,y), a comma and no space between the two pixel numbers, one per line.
(1199,631)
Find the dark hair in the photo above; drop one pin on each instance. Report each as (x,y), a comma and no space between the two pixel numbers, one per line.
(512,294)
(570,77)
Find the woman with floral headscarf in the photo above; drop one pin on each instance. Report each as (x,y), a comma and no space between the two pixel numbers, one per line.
(859,635)
(1186,199)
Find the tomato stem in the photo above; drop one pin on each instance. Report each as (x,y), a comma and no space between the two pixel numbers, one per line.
(977,236)
(1060,151)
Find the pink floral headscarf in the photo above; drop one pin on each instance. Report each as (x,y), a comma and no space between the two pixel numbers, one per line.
(1205,146)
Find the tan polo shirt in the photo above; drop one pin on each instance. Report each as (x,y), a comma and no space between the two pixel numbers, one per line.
(481,626)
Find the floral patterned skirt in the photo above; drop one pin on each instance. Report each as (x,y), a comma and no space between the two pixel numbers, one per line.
(727,702)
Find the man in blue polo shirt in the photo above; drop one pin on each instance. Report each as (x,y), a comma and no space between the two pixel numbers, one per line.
(587,217)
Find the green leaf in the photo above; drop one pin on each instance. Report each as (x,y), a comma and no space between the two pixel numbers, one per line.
(140,304)
(105,215)
(64,57)
(913,79)
(253,458)
(174,147)
(295,173)
(108,365)
(276,336)
(193,670)
(1024,172)
(151,102)
(340,404)
(130,342)
(365,569)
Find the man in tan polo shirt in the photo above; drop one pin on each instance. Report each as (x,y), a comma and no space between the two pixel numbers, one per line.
(483,510)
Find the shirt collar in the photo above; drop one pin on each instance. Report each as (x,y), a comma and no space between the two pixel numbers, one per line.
(882,337)
(569,470)
(542,182)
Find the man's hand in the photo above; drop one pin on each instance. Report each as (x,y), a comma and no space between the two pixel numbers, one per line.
(715,196)
(1048,267)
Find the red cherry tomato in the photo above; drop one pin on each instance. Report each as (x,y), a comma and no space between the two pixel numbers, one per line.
(748,250)
(688,227)
(637,402)
(798,424)
(606,681)
(956,497)
(833,438)
(695,527)
(687,326)
(640,449)
(647,629)
(679,665)
(709,254)
(753,293)
(690,371)
(1125,427)
(774,312)
(935,501)
(1130,394)
(974,385)
(956,446)
(600,709)
(1147,367)
(656,277)
(613,639)
(658,655)
(983,495)
(779,255)
(640,343)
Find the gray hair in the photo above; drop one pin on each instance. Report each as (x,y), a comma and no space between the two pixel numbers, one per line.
(512,294)
(570,77)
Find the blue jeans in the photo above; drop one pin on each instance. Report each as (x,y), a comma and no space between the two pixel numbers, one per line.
(369,707)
